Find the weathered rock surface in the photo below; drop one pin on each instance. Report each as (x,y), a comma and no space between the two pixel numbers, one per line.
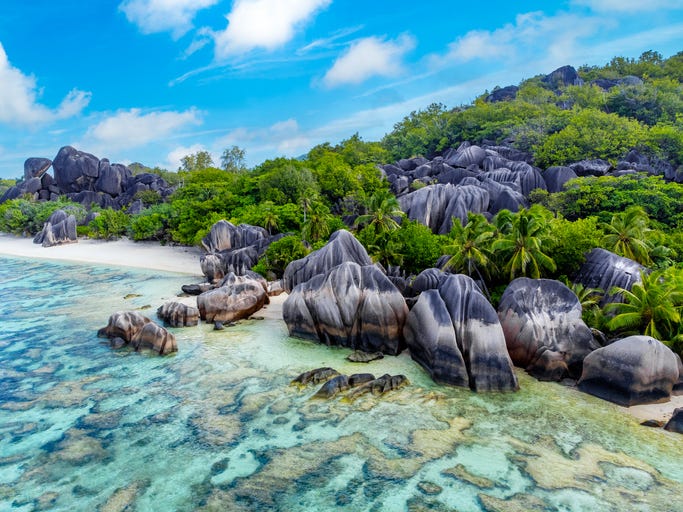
(177,314)
(358,356)
(675,423)
(350,305)
(604,270)
(316,376)
(140,332)
(454,333)
(379,386)
(60,228)
(342,247)
(235,298)
(631,371)
(544,332)
(556,177)
(226,236)
(36,167)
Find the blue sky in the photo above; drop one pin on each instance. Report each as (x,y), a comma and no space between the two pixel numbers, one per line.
(153,80)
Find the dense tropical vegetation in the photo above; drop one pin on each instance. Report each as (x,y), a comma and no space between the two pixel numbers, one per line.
(638,216)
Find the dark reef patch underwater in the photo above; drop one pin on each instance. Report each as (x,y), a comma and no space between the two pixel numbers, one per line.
(217,426)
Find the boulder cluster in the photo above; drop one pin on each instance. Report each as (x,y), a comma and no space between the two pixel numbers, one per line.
(60,228)
(85,179)
(357,384)
(131,327)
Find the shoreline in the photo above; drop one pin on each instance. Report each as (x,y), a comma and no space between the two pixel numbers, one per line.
(185,260)
(121,253)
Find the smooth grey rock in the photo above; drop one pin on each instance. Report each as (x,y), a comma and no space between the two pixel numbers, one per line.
(225,235)
(140,332)
(316,376)
(70,165)
(595,167)
(506,93)
(631,371)
(561,77)
(358,356)
(351,305)
(341,247)
(60,228)
(177,314)
(675,423)
(556,177)
(379,386)
(604,270)
(235,298)
(544,332)
(454,333)
(36,167)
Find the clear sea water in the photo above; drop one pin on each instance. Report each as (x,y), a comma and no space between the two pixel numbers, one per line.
(218,427)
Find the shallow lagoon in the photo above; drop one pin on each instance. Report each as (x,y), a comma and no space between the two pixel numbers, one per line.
(217,426)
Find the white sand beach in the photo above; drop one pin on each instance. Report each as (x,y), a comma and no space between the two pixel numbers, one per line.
(122,252)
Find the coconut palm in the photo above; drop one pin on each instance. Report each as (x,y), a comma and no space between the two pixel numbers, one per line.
(317,225)
(651,307)
(471,248)
(626,235)
(521,246)
(382,211)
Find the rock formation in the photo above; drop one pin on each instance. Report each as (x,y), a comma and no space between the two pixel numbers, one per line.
(454,333)
(177,314)
(342,247)
(235,298)
(350,305)
(604,270)
(631,371)
(140,332)
(675,423)
(544,332)
(60,228)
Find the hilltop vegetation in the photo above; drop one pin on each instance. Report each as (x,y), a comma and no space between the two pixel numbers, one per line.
(596,113)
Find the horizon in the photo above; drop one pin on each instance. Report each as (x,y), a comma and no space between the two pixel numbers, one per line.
(277,81)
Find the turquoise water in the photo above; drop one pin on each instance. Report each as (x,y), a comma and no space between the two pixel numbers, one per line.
(217,426)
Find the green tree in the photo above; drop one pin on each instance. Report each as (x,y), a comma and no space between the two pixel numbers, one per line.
(196,161)
(232,159)
(382,211)
(317,225)
(279,254)
(651,307)
(521,247)
(626,235)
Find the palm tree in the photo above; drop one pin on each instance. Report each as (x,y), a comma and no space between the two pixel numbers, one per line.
(626,235)
(270,218)
(471,248)
(382,210)
(651,307)
(521,247)
(317,225)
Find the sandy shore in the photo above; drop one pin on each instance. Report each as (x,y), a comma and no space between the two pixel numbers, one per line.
(123,252)
(658,412)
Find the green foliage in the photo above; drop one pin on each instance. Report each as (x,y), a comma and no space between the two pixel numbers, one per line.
(382,211)
(25,216)
(275,218)
(232,159)
(172,178)
(109,224)
(279,254)
(148,197)
(590,134)
(196,161)
(626,235)
(421,133)
(471,248)
(151,223)
(319,223)
(285,181)
(571,241)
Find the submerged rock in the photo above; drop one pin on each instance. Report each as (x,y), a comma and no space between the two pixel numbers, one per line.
(315,376)
(379,386)
(454,333)
(544,332)
(358,356)
(139,331)
(631,371)
(351,305)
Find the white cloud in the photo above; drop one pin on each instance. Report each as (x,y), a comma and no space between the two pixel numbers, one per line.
(369,57)
(629,5)
(132,128)
(266,24)
(557,35)
(19,98)
(282,138)
(174,158)
(173,16)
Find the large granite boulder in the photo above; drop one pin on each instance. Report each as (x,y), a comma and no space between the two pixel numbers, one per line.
(178,314)
(110,178)
(454,333)
(235,298)
(675,423)
(544,332)
(60,228)
(556,177)
(561,77)
(140,332)
(465,155)
(350,305)
(342,247)
(36,167)
(604,270)
(631,371)
(226,236)
(73,169)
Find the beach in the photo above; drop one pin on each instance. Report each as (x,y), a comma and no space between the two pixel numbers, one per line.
(185,260)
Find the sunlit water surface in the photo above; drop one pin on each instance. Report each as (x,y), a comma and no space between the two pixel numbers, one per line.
(218,427)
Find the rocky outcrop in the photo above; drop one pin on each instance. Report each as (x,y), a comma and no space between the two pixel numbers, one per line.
(604,270)
(140,332)
(594,167)
(36,167)
(544,332)
(675,423)
(342,247)
(60,228)
(454,333)
(177,314)
(631,371)
(350,305)
(226,236)
(556,177)
(315,376)
(235,298)
(379,386)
